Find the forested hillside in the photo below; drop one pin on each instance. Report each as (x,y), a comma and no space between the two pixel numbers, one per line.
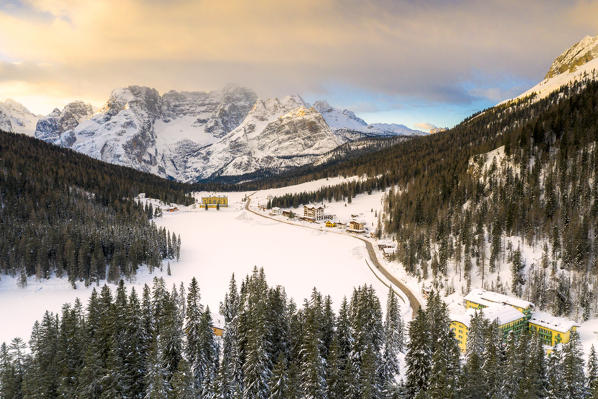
(459,209)
(64,213)
(160,344)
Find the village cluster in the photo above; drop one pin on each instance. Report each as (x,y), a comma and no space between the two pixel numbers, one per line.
(511,314)
(317,214)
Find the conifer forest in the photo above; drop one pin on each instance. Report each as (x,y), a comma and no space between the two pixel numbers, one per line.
(457,205)
(160,343)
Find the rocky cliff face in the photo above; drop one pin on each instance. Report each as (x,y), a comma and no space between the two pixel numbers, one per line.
(580,53)
(201,135)
(577,63)
(50,128)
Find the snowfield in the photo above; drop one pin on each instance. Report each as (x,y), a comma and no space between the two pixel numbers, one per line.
(216,244)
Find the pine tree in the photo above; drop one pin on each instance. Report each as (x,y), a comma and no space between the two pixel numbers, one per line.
(193,331)
(313,379)
(573,368)
(9,384)
(257,365)
(207,352)
(492,362)
(475,335)
(473,379)
(279,379)
(156,378)
(231,369)
(182,382)
(556,387)
(393,344)
(418,358)
(592,368)
(333,371)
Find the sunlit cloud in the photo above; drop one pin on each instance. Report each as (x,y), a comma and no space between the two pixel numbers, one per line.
(428,51)
(424,126)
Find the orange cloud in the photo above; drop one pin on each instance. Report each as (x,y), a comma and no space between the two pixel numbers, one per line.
(425,49)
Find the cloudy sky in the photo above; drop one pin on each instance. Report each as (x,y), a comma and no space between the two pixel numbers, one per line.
(421,63)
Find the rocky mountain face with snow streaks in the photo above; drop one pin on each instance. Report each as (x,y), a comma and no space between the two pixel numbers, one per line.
(190,136)
(580,53)
(52,126)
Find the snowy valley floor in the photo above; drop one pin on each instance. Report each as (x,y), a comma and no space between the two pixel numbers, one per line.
(216,244)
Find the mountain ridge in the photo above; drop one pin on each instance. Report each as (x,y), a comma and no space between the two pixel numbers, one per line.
(192,135)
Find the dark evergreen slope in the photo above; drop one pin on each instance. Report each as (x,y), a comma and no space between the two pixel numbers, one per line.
(452,206)
(160,344)
(65,213)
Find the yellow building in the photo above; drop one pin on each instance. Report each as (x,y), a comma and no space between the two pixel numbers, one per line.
(553,330)
(214,201)
(507,317)
(512,314)
(330,223)
(460,329)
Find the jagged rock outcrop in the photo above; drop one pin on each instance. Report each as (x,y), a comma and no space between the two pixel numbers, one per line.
(580,53)
(50,128)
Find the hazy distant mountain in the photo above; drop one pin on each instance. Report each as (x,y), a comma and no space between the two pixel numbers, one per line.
(348,126)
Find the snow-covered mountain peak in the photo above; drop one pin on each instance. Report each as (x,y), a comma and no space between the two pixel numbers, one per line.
(50,128)
(15,118)
(322,106)
(137,97)
(347,126)
(264,109)
(14,106)
(580,53)
(578,62)
(190,135)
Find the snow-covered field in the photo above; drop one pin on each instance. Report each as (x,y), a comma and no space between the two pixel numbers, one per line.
(216,244)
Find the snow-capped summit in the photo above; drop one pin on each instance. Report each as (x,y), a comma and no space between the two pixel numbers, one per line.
(201,135)
(580,53)
(578,62)
(15,118)
(340,119)
(348,126)
(50,128)
(277,134)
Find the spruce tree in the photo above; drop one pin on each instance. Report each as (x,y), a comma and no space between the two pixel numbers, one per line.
(592,368)
(392,345)
(418,358)
(279,380)
(182,382)
(573,368)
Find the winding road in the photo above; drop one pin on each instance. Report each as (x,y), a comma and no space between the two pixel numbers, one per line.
(413,301)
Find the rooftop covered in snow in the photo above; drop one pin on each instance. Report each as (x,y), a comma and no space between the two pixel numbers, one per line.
(489,298)
(503,314)
(549,321)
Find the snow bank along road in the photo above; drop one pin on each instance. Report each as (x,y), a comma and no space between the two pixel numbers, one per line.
(413,301)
